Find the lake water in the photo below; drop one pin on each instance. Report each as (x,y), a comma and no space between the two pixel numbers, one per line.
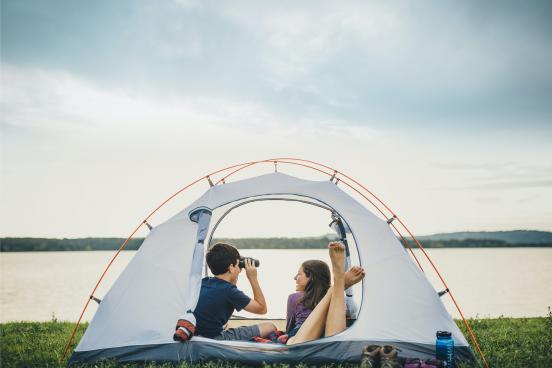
(486,282)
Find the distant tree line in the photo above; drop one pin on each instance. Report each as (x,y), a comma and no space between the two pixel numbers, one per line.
(44,244)
(512,236)
(53,245)
(464,243)
(278,243)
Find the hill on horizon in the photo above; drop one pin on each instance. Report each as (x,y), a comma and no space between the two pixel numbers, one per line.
(510,237)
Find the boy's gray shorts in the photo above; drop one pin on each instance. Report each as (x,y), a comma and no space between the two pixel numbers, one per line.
(239,333)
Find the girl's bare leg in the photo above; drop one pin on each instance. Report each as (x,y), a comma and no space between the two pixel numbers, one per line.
(313,327)
(335,316)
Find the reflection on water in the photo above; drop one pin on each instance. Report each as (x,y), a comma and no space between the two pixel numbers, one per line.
(486,282)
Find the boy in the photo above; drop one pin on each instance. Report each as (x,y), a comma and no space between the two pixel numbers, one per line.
(219,297)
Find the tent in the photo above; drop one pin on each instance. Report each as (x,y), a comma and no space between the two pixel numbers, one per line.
(136,319)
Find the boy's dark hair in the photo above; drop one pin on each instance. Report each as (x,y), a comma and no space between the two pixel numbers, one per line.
(220,256)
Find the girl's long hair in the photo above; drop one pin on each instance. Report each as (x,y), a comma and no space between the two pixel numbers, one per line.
(319,276)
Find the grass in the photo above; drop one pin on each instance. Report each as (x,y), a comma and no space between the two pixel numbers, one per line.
(506,342)
(513,342)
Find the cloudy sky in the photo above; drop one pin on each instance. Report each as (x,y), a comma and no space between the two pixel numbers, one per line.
(443,109)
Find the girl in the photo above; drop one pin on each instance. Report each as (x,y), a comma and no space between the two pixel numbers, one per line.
(318,309)
(311,284)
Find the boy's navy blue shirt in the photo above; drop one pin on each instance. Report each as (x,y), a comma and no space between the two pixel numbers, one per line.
(217,301)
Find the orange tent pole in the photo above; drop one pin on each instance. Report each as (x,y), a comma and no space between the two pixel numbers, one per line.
(303,163)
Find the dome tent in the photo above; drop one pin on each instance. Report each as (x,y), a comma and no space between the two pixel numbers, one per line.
(136,318)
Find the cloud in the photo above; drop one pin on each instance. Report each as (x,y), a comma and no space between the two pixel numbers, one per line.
(360,63)
(526,184)
(528,199)
(504,175)
(391,64)
(134,96)
(489,200)
(60,102)
(72,147)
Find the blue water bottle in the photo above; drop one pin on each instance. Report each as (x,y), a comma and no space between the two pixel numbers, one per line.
(444,348)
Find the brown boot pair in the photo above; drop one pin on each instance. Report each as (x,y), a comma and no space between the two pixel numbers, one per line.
(375,356)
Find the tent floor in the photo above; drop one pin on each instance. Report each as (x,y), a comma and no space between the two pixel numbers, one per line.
(250,353)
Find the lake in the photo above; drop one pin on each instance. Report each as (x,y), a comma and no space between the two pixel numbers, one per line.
(512,282)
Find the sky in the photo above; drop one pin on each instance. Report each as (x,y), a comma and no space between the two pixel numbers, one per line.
(443,109)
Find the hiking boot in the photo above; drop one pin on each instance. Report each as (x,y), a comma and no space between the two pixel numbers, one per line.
(389,358)
(370,356)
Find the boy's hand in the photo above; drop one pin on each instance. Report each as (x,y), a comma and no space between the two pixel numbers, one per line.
(258,304)
(250,269)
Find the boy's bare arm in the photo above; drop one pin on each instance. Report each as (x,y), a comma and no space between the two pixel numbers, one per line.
(258,304)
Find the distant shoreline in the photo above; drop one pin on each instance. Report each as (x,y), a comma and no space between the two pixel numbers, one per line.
(92,244)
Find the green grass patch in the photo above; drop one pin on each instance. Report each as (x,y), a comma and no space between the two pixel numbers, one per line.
(513,342)
(35,344)
(506,342)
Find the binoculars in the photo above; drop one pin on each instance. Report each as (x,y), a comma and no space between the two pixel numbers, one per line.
(241,263)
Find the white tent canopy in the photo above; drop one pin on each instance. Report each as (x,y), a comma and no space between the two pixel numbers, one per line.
(136,318)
